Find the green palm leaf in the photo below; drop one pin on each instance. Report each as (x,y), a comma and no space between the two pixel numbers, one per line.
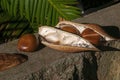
(12,28)
(43,12)
(26,15)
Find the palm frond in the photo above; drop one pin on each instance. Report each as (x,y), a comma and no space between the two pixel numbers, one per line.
(24,16)
(43,12)
(12,28)
(11,31)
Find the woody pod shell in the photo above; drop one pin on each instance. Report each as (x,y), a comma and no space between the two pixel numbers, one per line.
(58,39)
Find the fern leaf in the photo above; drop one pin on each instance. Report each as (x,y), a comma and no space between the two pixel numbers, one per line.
(43,12)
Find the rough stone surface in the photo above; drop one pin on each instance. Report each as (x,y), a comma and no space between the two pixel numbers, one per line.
(109,64)
(73,67)
(49,64)
(108,61)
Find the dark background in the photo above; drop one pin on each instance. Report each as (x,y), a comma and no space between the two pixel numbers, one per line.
(88,6)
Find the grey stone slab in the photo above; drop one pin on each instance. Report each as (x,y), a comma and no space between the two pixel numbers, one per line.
(36,60)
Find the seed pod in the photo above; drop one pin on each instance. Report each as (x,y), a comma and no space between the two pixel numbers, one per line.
(73,37)
(82,27)
(68,42)
(10,60)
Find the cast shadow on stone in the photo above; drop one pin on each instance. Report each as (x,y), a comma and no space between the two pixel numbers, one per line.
(75,73)
(108,48)
(22,55)
(90,68)
(113,31)
(41,46)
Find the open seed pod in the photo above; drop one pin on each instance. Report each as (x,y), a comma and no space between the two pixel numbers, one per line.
(8,60)
(74,37)
(91,32)
(64,41)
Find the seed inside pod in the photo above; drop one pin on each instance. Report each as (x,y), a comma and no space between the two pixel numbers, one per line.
(91,36)
(70,28)
(27,43)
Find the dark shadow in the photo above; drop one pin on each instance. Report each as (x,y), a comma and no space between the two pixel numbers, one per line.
(107,48)
(41,46)
(90,68)
(112,30)
(95,7)
(75,74)
(22,55)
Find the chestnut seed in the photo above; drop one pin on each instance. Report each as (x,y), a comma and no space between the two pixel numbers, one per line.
(91,36)
(70,29)
(27,43)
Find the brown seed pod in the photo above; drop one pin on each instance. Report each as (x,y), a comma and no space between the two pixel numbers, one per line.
(10,60)
(68,42)
(73,37)
(27,43)
(81,27)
